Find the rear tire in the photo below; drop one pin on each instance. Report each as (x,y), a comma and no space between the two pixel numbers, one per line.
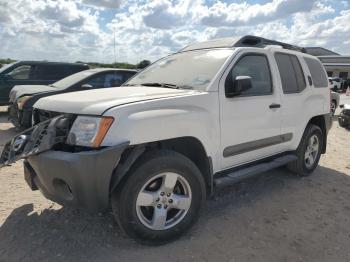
(160,198)
(308,152)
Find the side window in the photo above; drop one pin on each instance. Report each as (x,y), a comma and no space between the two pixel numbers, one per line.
(96,81)
(299,73)
(128,75)
(114,79)
(292,76)
(21,73)
(317,72)
(257,67)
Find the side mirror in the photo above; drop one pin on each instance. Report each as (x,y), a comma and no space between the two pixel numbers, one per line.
(87,86)
(239,85)
(341,106)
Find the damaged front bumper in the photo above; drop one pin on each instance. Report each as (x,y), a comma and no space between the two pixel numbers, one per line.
(64,175)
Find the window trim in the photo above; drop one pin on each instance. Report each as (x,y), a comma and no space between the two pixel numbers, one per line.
(288,54)
(269,68)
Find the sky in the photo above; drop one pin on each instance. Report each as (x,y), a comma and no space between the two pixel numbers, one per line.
(88,30)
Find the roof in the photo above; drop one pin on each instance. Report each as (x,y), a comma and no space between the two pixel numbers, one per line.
(51,63)
(320,51)
(245,41)
(102,69)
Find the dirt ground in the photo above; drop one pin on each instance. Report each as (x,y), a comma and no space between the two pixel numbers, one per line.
(275,217)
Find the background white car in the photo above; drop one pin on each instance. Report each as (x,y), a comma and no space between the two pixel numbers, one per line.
(334,83)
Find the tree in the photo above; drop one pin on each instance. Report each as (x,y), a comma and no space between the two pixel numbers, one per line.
(143,64)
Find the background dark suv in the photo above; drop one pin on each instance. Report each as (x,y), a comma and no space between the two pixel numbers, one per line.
(34,73)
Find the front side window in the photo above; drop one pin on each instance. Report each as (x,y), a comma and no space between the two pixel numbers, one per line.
(190,70)
(257,67)
(21,73)
(292,76)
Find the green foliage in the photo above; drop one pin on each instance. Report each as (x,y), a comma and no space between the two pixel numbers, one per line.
(6,61)
(143,64)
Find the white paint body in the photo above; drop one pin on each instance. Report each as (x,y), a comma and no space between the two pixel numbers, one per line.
(147,114)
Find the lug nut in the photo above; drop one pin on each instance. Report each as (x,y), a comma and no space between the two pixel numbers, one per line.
(170,201)
(168,195)
(159,205)
(157,200)
(165,206)
(162,193)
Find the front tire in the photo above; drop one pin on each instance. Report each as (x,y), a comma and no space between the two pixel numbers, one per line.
(308,152)
(161,197)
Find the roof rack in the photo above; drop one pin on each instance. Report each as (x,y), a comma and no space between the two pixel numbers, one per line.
(256,41)
(245,41)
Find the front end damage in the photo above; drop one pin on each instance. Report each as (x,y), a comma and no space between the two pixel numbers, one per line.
(37,139)
(64,174)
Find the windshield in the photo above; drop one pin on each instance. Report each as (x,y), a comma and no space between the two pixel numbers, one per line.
(194,69)
(72,79)
(4,67)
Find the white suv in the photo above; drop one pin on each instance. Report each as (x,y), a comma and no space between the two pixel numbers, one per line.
(203,118)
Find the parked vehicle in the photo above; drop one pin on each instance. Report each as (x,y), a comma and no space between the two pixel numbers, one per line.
(34,73)
(344,117)
(335,98)
(203,118)
(22,98)
(335,83)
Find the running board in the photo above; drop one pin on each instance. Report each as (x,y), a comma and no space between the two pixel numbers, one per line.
(241,174)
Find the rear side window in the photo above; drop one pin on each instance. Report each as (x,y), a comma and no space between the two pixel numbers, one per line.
(292,76)
(317,72)
(54,72)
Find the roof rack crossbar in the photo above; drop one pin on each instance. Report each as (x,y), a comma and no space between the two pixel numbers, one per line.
(256,41)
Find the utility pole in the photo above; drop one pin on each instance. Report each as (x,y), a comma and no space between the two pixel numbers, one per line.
(115,55)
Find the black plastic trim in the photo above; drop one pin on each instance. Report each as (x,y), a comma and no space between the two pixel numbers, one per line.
(256,144)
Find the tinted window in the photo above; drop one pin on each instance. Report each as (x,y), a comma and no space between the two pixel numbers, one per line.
(257,67)
(21,73)
(299,74)
(317,72)
(291,73)
(114,79)
(54,72)
(96,81)
(127,75)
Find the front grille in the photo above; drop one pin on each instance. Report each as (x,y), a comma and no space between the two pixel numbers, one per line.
(43,115)
(41,137)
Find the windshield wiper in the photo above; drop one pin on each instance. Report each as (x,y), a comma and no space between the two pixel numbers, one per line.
(166,85)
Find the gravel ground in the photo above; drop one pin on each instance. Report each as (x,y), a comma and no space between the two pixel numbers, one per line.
(274,217)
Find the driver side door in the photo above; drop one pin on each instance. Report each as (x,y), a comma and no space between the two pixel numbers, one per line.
(251,120)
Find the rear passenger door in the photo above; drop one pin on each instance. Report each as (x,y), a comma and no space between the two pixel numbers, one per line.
(295,93)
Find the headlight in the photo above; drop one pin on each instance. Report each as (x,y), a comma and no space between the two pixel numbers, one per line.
(21,101)
(89,130)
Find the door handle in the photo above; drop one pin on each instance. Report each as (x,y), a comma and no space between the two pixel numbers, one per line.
(275,106)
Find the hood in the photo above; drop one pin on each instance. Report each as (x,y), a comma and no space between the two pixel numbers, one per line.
(18,91)
(97,101)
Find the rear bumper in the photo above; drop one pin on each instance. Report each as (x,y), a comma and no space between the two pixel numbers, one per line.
(79,179)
